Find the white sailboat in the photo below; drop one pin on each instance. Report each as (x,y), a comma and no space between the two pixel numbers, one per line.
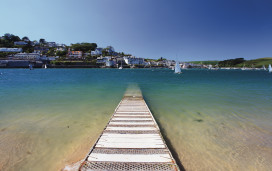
(264,68)
(269,68)
(177,68)
(45,66)
(121,67)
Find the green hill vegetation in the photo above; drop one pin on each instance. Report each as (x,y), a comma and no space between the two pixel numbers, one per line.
(238,62)
(85,47)
(205,62)
(257,63)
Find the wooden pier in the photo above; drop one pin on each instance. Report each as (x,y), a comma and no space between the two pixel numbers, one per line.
(130,141)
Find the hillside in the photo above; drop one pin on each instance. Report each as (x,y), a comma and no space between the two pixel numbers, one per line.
(204,62)
(258,63)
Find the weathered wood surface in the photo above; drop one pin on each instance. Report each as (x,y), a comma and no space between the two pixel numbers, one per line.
(131,141)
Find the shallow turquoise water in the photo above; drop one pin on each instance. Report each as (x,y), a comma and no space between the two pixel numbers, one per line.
(215,120)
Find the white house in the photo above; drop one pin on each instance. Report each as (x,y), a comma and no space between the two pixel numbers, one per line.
(103,59)
(38,49)
(60,48)
(20,43)
(97,51)
(51,44)
(49,58)
(169,63)
(11,50)
(75,54)
(110,63)
(107,60)
(134,61)
(25,56)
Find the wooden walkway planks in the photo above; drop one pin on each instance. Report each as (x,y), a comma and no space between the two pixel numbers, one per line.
(131,141)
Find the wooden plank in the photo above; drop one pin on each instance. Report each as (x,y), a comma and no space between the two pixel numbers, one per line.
(129,145)
(131,128)
(137,119)
(130,158)
(132,136)
(132,123)
(132,112)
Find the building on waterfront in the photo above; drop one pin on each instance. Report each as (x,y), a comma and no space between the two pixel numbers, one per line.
(11,50)
(185,65)
(51,44)
(97,51)
(14,63)
(48,58)
(27,56)
(161,63)
(131,60)
(3,63)
(102,60)
(51,58)
(169,63)
(110,63)
(120,60)
(20,43)
(107,61)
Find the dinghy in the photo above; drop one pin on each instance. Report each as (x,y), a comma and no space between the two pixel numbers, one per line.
(177,68)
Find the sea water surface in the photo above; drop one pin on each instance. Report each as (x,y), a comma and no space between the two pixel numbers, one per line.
(213,120)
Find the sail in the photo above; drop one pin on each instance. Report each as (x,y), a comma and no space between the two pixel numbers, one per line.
(264,67)
(177,68)
(269,68)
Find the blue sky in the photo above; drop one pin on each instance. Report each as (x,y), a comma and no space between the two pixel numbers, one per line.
(176,29)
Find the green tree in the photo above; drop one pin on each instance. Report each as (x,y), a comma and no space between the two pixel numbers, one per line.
(104,52)
(26,39)
(85,47)
(161,59)
(51,52)
(8,40)
(11,37)
(28,48)
(61,53)
(231,62)
(42,41)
